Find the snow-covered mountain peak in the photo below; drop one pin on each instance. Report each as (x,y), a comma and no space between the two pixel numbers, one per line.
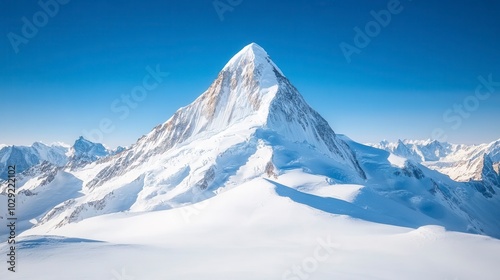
(83,146)
(250,104)
(38,144)
(241,95)
(249,94)
(85,151)
(254,57)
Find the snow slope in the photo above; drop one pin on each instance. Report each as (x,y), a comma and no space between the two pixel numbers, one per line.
(254,231)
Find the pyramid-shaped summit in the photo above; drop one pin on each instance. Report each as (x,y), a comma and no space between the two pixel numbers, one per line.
(251,91)
(250,99)
(252,56)
(243,89)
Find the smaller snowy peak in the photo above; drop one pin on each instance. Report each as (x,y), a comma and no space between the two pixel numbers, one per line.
(432,150)
(117,150)
(84,147)
(402,150)
(84,151)
(493,150)
(486,177)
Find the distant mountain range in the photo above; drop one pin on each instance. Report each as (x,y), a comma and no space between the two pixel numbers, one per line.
(463,163)
(59,154)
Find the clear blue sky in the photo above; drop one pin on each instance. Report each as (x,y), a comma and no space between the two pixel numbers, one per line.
(428,57)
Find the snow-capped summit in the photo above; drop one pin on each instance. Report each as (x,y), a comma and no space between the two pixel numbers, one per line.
(250,92)
(250,122)
(243,91)
(84,151)
(249,98)
(251,54)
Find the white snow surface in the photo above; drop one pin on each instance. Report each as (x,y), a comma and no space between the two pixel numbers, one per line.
(254,231)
